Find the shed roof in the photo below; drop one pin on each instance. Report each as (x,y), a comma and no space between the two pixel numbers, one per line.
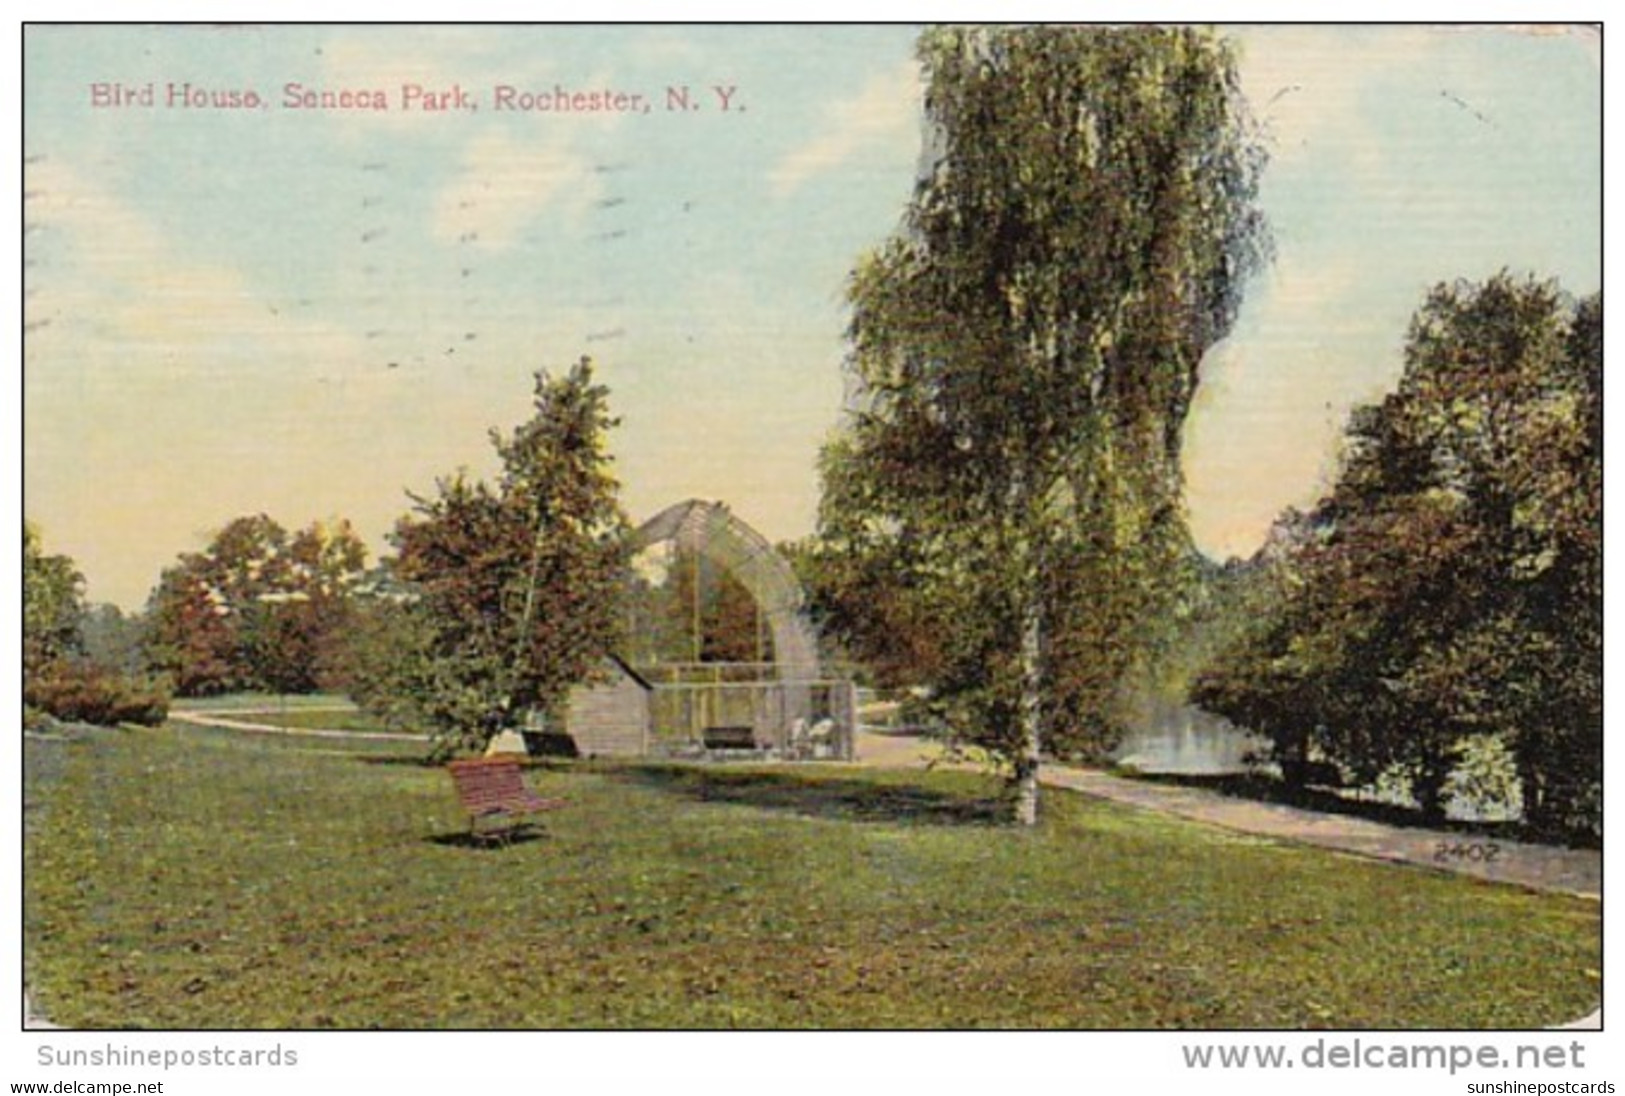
(626,668)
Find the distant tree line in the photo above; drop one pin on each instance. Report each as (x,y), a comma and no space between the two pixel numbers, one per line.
(63,677)
(498,597)
(258,609)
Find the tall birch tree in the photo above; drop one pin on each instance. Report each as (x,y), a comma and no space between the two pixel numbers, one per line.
(1024,350)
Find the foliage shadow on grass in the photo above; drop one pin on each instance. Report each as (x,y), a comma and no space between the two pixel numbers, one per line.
(820,797)
(1268,789)
(411,761)
(462,839)
(427,761)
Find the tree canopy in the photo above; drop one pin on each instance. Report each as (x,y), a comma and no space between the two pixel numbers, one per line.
(53,604)
(1449,586)
(1023,353)
(515,587)
(66,672)
(258,608)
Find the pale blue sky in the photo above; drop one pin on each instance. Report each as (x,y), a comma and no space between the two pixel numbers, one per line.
(309,313)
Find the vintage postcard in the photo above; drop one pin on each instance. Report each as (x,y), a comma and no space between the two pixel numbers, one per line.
(802,527)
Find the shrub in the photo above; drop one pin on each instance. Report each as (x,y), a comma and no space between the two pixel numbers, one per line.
(78,692)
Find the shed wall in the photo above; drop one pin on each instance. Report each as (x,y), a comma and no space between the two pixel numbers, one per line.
(610,719)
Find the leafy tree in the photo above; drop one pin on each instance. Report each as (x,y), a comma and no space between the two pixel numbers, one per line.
(384,657)
(1449,586)
(1559,745)
(863,584)
(53,604)
(1504,383)
(113,639)
(290,633)
(517,584)
(1024,352)
(256,609)
(195,614)
(62,676)
(1249,678)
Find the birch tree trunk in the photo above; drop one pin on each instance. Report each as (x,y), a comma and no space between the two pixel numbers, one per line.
(1031,712)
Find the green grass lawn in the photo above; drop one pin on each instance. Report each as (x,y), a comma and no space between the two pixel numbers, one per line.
(197,879)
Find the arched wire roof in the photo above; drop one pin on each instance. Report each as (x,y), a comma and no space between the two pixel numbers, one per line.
(712,530)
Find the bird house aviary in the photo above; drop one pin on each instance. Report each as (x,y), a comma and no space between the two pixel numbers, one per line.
(722,660)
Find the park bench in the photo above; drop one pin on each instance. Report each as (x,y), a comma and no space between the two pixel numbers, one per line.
(730,738)
(491,789)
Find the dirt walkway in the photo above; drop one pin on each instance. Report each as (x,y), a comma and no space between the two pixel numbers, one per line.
(227,719)
(1538,867)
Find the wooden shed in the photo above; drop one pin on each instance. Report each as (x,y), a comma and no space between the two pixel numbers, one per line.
(610,717)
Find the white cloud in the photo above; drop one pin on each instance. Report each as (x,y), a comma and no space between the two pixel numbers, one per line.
(503,184)
(60,200)
(114,285)
(149,378)
(885,109)
(1305,83)
(1265,432)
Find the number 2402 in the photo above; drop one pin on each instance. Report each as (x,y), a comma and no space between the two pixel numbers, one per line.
(1483,851)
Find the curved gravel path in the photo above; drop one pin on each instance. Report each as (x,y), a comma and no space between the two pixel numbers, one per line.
(1538,867)
(230,719)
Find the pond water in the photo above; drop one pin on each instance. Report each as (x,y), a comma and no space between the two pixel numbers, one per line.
(1187,741)
(1184,739)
